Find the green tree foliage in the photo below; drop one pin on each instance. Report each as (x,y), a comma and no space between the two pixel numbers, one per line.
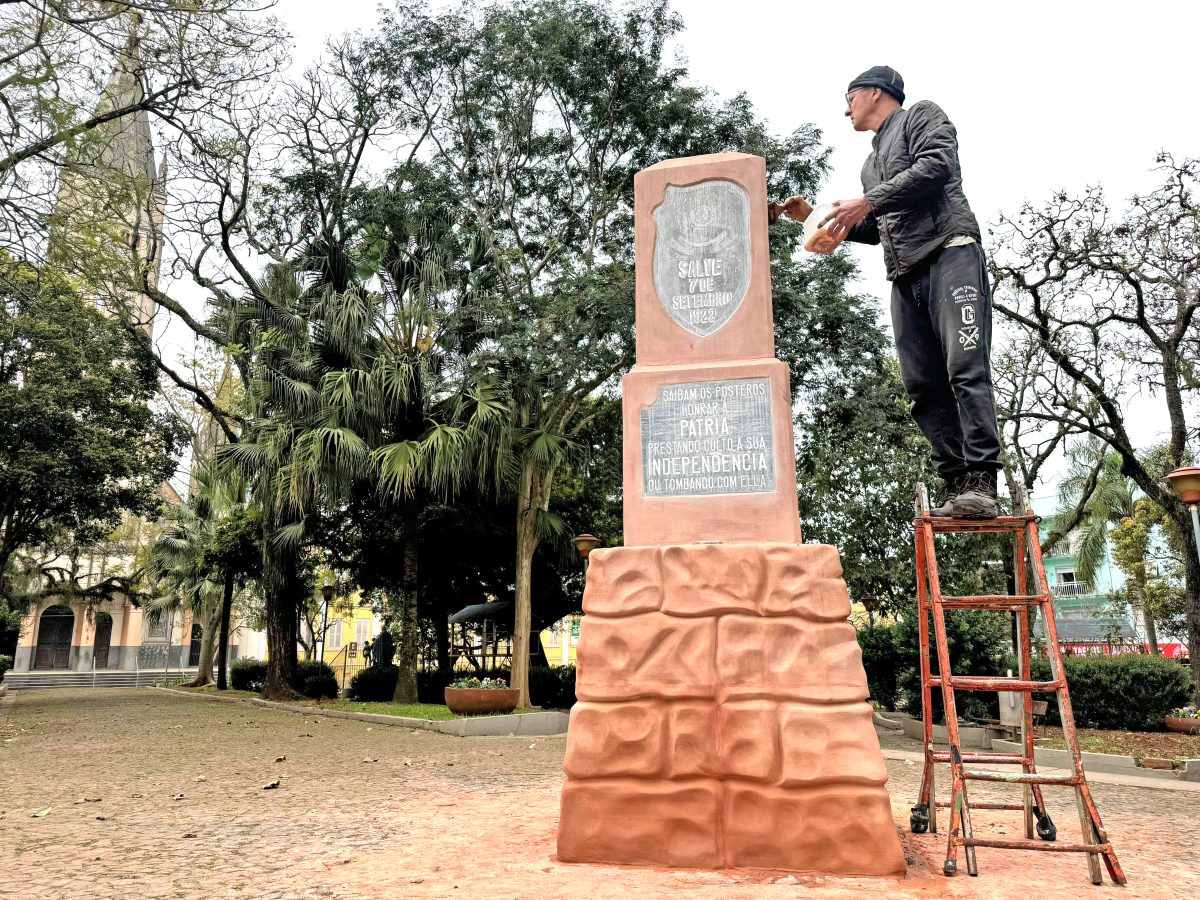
(1104,302)
(1153,572)
(541,111)
(80,445)
(208,548)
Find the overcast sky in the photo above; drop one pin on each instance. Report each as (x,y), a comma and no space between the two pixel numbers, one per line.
(1045,95)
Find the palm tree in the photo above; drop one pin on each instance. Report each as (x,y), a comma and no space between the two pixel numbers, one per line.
(348,398)
(182,569)
(1100,496)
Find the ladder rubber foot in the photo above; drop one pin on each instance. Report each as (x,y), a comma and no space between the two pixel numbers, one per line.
(949,867)
(1045,827)
(918,822)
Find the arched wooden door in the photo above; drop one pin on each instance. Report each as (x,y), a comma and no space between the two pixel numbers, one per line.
(194,650)
(54,638)
(104,625)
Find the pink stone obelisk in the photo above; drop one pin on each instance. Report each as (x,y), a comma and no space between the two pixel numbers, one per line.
(721,719)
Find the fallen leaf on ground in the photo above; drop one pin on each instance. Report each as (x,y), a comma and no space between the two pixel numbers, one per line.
(202,778)
(369,759)
(177,796)
(44,812)
(190,834)
(101,818)
(408,762)
(281,759)
(271,785)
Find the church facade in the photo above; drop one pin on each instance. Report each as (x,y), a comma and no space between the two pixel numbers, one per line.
(110,209)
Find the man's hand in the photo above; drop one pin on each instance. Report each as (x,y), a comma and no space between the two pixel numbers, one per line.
(846,214)
(796,208)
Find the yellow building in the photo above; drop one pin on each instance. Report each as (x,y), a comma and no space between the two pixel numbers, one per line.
(560,640)
(349,629)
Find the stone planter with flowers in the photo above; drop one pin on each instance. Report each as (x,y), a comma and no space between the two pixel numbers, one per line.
(473,696)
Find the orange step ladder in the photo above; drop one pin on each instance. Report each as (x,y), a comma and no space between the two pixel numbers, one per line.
(931,603)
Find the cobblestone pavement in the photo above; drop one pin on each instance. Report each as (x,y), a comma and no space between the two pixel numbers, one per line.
(152,795)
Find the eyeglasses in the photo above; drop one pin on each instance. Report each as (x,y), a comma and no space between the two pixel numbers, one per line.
(852,93)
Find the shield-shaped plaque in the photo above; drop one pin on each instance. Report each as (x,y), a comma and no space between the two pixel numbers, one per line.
(702,253)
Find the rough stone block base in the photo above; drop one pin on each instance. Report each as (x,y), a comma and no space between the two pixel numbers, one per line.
(722,720)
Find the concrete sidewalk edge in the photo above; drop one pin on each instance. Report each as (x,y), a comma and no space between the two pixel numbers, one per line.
(546,723)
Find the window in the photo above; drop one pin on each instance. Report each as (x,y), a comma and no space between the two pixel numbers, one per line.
(333,637)
(553,635)
(156,630)
(1065,576)
(362,632)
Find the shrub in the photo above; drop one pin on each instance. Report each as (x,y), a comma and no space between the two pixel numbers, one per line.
(6,663)
(1130,692)
(882,660)
(248,674)
(552,687)
(316,679)
(374,684)
(979,644)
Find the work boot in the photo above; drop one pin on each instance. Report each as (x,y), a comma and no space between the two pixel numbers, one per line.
(944,499)
(976,499)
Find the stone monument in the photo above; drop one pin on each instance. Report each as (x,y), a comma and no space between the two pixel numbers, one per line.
(721,719)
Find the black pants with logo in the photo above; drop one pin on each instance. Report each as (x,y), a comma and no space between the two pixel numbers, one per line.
(942,319)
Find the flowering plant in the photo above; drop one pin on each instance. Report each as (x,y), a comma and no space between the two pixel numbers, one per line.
(1186,712)
(486,684)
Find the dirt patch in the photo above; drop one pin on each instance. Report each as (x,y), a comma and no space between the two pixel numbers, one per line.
(1140,744)
(365,811)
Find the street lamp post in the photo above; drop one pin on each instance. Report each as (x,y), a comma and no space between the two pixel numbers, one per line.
(327,595)
(1185,483)
(585,544)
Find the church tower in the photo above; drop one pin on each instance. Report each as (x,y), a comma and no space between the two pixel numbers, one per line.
(107,223)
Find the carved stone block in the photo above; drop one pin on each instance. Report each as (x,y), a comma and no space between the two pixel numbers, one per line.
(617,739)
(646,655)
(839,829)
(640,822)
(625,582)
(790,658)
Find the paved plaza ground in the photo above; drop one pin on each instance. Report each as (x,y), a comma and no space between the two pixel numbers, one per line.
(156,795)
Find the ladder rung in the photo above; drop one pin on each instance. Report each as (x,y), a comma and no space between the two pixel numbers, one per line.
(999,602)
(991,758)
(1000,523)
(986,683)
(1014,807)
(1034,845)
(1021,777)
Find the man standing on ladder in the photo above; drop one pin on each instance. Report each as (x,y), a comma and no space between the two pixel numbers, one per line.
(913,204)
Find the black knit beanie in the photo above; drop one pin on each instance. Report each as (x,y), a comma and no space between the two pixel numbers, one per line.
(885,78)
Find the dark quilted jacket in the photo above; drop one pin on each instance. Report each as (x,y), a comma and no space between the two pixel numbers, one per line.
(914,185)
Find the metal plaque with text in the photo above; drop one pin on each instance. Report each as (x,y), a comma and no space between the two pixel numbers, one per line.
(702,253)
(709,437)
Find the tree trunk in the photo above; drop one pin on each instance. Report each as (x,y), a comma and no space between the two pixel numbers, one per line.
(223,638)
(441,629)
(283,603)
(406,683)
(1192,585)
(210,621)
(522,613)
